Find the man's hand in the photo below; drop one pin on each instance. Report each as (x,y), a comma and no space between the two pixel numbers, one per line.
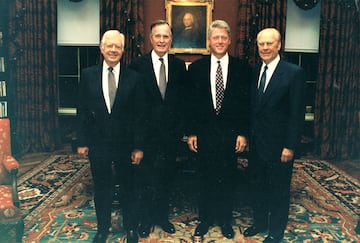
(192,143)
(241,144)
(287,155)
(83,151)
(136,157)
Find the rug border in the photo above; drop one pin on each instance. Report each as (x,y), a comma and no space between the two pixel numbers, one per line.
(334,167)
(30,217)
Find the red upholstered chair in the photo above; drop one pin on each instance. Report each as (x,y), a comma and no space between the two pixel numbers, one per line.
(11,222)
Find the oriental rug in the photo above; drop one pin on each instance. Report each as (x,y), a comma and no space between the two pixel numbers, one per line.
(56,199)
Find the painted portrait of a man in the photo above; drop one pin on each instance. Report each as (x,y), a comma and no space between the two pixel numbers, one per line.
(189,27)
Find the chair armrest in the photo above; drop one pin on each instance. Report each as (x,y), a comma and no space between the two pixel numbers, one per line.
(12,166)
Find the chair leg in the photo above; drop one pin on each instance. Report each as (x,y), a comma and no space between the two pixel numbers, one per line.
(19,231)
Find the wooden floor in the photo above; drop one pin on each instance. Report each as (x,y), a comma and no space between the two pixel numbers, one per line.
(28,161)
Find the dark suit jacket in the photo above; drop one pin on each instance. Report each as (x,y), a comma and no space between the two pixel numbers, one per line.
(217,133)
(164,117)
(277,119)
(123,129)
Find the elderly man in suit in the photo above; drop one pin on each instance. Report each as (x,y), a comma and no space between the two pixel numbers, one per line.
(218,126)
(164,77)
(277,119)
(110,129)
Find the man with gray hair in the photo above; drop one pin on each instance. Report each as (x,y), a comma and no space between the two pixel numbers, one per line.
(277,96)
(217,126)
(110,129)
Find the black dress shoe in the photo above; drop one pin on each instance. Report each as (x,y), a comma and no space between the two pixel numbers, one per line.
(167,227)
(144,230)
(227,231)
(273,239)
(132,236)
(100,237)
(201,229)
(253,230)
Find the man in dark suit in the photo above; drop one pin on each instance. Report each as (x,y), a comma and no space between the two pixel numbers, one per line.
(277,119)
(110,129)
(164,99)
(218,126)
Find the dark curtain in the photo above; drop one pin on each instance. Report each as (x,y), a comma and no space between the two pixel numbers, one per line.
(32,61)
(337,102)
(254,16)
(126,16)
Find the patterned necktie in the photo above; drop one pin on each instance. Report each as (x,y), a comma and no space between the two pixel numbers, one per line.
(219,86)
(162,78)
(111,86)
(261,89)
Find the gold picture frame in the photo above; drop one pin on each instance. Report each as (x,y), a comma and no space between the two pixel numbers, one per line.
(189,21)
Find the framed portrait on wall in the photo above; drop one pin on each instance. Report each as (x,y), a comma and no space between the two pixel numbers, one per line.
(189,21)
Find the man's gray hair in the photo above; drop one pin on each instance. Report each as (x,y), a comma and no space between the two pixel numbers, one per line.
(220,24)
(113,31)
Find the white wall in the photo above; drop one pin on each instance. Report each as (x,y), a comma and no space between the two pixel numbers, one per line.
(302,28)
(78,22)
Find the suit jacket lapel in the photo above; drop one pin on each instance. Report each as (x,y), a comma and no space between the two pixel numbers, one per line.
(230,78)
(150,75)
(274,82)
(98,80)
(207,73)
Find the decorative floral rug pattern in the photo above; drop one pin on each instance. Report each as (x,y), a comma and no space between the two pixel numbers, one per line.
(56,199)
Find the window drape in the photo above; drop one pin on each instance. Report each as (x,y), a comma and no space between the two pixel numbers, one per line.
(33,75)
(254,16)
(337,98)
(127,17)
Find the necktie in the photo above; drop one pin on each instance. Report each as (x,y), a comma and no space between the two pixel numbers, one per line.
(219,86)
(262,81)
(162,78)
(111,86)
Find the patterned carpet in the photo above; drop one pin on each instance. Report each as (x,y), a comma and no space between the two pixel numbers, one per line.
(56,199)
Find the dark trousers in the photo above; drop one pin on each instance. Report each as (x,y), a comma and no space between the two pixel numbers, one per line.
(134,194)
(101,169)
(160,183)
(159,191)
(271,190)
(104,165)
(216,188)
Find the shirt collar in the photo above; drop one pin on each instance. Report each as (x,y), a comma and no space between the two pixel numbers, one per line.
(224,60)
(272,65)
(116,69)
(155,57)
